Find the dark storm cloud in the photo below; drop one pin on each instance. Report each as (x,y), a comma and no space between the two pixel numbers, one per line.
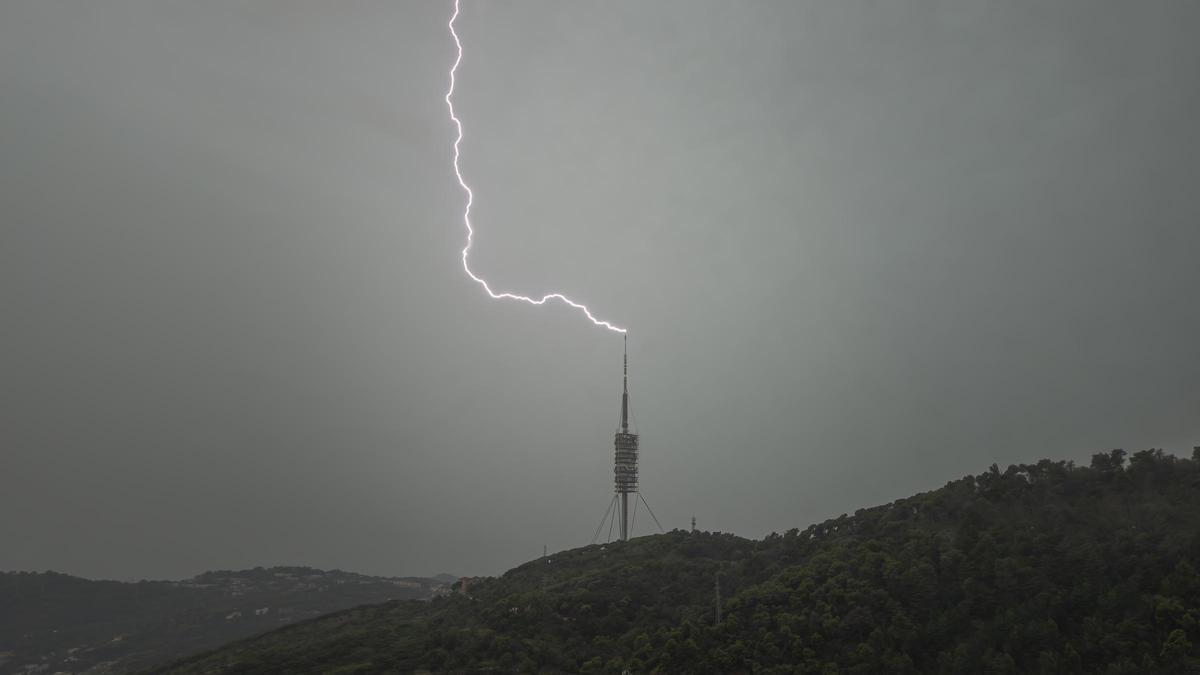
(862,248)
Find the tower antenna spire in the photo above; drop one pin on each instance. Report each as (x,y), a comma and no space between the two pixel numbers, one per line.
(625,391)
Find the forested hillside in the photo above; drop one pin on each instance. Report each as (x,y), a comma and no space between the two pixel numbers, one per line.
(1048,568)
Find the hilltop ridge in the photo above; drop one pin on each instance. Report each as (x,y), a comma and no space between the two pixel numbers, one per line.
(52,622)
(1046,567)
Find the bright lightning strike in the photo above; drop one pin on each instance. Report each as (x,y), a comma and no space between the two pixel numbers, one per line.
(471,198)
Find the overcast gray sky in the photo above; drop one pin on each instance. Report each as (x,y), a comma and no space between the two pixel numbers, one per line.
(862,248)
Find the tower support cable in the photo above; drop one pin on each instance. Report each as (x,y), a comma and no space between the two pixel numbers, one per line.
(604,518)
(651,511)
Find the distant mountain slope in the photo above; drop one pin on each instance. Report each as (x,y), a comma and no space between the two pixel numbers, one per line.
(1047,568)
(59,623)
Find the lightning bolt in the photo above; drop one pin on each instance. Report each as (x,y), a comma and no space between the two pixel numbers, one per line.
(471,200)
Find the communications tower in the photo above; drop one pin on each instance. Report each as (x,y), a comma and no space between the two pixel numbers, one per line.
(625,457)
(625,469)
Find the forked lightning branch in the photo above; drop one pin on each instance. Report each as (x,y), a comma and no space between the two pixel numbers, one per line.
(471,198)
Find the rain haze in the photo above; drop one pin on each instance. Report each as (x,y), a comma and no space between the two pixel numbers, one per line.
(862,248)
